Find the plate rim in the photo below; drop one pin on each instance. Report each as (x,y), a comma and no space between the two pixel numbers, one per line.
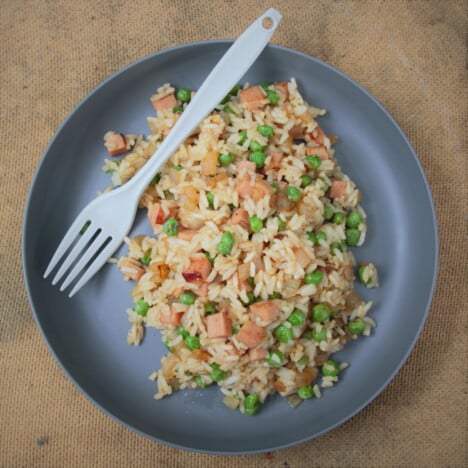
(227,43)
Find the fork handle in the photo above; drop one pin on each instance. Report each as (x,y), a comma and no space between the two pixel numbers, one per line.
(227,72)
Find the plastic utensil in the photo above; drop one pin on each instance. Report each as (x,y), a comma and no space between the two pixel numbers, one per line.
(110,217)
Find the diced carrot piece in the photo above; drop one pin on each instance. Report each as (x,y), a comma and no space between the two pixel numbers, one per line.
(275,162)
(318,135)
(218,326)
(199,268)
(265,310)
(166,102)
(132,269)
(337,189)
(240,217)
(251,334)
(244,187)
(320,151)
(248,165)
(260,190)
(297,132)
(115,143)
(186,234)
(253,98)
(209,164)
(256,354)
(172,318)
(201,354)
(283,88)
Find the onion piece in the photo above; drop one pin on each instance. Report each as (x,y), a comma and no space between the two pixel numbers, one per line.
(231,402)
(294,400)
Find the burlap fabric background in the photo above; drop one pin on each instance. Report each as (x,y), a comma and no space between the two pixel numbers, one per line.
(409,54)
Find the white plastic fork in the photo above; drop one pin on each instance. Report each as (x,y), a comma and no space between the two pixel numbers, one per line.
(110,217)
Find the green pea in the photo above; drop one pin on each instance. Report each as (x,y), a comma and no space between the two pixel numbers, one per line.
(251,404)
(266,131)
(334,246)
(210,309)
(141,307)
(258,157)
(331,368)
(146,259)
(225,159)
(228,110)
(354,219)
(312,237)
(321,313)
(187,298)
(275,187)
(326,184)
(243,138)
(275,295)
(272,96)
(307,335)
(169,348)
(200,382)
(177,167)
(235,89)
(251,298)
(283,333)
(184,94)
(281,224)
(177,109)
(256,146)
(338,217)
(327,212)
(265,85)
(155,179)
(293,193)
(192,342)
(217,374)
(321,235)
(182,332)
(319,335)
(226,243)
(352,236)
(171,227)
(85,226)
(210,198)
(315,277)
(297,317)
(235,330)
(251,282)
(303,361)
(306,392)
(306,180)
(256,224)
(314,161)
(275,358)
(361,271)
(209,258)
(357,326)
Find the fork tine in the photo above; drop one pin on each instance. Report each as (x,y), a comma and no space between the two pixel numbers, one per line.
(71,234)
(85,258)
(94,267)
(77,248)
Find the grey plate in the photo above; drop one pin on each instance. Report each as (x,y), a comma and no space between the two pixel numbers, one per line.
(87,335)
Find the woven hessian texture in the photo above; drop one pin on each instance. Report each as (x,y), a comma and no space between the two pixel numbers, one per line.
(409,54)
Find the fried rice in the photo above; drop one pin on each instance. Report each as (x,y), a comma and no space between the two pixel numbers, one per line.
(248,276)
